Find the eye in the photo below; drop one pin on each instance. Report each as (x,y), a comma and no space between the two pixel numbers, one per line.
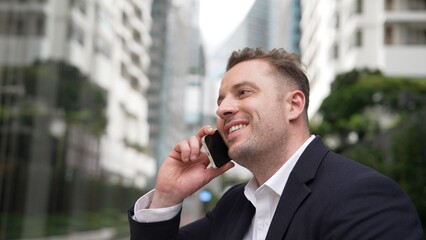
(243,93)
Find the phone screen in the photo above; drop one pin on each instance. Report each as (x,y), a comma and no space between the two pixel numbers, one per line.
(216,149)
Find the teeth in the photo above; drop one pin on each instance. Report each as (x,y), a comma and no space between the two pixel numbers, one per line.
(236,127)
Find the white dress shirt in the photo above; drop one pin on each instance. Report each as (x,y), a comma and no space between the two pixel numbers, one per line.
(264,198)
(145,214)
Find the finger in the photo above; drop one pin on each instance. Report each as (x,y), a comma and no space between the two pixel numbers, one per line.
(194,145)
(204,159)
(205,130)
(184,149)
(219,171)
(226,167)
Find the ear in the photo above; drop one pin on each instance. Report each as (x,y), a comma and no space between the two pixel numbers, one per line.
(296,99)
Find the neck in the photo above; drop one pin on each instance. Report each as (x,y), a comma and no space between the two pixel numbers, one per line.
(267,164)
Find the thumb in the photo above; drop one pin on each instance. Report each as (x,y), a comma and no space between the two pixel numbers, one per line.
(215,172)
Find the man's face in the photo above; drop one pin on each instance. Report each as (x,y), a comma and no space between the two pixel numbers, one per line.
(252,111)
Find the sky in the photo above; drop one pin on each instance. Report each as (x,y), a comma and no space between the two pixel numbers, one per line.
(219,18)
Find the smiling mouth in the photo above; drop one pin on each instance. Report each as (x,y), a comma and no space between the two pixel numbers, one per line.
(236,127)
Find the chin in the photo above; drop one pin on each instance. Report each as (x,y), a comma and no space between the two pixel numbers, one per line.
(240,153)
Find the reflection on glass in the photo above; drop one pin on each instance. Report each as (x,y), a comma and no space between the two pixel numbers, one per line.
(67,168)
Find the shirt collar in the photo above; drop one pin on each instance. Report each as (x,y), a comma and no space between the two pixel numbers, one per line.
(278,181)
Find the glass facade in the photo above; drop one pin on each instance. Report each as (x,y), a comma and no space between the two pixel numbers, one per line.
(61,81)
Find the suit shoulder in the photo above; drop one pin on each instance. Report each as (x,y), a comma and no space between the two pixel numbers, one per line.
(371,199)
(232,196)
(337,174)
(340,178)
(235,191)
(348,167)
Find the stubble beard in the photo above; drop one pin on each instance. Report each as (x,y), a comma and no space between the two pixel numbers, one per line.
(244,153)
(257,151)
(263,147)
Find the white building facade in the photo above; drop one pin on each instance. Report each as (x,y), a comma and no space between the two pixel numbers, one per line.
(108,41)
(338,36)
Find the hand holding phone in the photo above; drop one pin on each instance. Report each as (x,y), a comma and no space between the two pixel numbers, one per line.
(216,149)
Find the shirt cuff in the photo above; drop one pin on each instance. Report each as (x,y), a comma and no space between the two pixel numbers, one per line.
(145,214)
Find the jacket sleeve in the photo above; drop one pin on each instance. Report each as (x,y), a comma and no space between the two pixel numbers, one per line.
(200,229)
(157,230)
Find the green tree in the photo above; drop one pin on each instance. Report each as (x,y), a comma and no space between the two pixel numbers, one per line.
(379,121)
(80,100)
(31,99)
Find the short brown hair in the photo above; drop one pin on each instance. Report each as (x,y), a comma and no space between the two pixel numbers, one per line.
(288,65)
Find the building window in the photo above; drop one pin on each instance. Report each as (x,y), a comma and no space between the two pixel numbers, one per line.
(358,38)
(336,51)
(388,35)
(417,4)
(136,36)
(416,36)
(125,19)
(3,22)
(135,58)
(138,13)
(40,26)
(134,82)
(337,23)
(124,72)
(80,5)
(20,27)
(76,34)
(358,6)
(22,24)
(389,5)
(104,19)
(102,47)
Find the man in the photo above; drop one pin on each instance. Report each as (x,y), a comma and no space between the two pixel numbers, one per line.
(299,189)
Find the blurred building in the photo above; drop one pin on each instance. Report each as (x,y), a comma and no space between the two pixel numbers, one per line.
(338,36)
(109,42)
(284,29)
(176,74)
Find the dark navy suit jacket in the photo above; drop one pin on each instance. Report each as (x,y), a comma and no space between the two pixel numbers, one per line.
(326,197)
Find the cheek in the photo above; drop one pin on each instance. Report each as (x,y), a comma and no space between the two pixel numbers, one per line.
(219,124)
(269,104)
(274,112)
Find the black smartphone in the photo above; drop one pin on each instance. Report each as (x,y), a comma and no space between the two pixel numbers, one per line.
(216,149)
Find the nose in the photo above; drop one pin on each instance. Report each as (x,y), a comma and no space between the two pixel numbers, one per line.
(226,108)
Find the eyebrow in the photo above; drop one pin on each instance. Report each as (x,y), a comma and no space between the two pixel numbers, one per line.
(237,86)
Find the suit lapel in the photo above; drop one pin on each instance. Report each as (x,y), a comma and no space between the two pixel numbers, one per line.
(296,190)
(243,223)
(293,196)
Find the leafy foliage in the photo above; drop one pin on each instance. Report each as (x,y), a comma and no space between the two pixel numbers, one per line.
(386,114)
(81,101)
(32,98)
